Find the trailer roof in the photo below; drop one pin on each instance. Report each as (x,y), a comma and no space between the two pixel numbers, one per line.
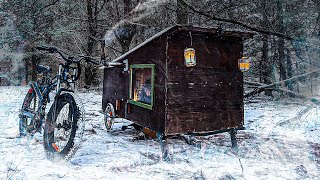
(240,34)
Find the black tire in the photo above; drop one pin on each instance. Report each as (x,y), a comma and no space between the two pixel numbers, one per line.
(30,103)
(109,116)
(53,126)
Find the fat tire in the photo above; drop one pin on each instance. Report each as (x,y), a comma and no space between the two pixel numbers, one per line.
(48,138)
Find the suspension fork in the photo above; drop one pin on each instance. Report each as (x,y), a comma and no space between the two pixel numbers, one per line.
(59,79)
(55,103)
(58,90)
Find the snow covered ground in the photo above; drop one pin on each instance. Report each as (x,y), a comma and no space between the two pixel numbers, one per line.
(275,145)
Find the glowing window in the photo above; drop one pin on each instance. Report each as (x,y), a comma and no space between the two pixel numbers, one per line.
(141,91)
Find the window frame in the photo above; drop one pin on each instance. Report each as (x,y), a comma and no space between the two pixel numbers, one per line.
(142,66)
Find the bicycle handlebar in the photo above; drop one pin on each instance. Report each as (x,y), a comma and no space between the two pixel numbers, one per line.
(69,59)
(55,50)
(90,59)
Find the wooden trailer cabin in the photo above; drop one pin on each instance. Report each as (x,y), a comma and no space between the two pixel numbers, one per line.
(183,80)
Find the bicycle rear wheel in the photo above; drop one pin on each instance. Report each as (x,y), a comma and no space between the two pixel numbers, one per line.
(64,128)
(28,109)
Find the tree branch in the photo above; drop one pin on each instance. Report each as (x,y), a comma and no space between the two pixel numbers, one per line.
(46,6)
(295,94)
(102,6)
(317,22)
(69,17)
(262,88)
(257,29)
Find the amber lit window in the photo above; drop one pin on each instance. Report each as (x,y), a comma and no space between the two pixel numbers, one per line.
(142,85)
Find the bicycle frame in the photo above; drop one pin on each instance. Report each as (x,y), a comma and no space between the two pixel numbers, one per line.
(63,128)
(42,92)
(43,88)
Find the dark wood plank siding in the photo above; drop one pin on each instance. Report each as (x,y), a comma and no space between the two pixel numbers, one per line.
(115,87)
(154,53)
(209,96)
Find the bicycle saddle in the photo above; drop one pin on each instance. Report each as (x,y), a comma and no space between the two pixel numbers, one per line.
(44,69)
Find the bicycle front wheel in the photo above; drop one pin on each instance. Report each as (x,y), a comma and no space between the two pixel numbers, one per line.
(64,128)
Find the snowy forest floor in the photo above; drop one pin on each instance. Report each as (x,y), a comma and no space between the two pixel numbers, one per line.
(275,145)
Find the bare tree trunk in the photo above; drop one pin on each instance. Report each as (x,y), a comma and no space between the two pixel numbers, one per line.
(34,64)
(182,15)
(281,59)
(317,26)
(90,70)
(299,53)
(289,70)
(127,6)
(281,42)
(26,66)
(265,65)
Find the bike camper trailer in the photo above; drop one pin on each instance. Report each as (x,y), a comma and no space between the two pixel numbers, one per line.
(183,80)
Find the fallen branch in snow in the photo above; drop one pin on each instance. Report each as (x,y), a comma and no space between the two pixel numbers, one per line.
(11,171)
(259,85)
(295,94)
(241,165)
(297,117)
(266,86)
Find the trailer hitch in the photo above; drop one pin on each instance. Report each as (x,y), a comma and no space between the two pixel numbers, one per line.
(124,64)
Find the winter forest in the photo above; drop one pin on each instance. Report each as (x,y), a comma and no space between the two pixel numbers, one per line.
(281,90)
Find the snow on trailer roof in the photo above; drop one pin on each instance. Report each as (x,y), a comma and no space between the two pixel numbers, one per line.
(190,28)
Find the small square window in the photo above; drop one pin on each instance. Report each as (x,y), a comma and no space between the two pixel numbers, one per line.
(142,85)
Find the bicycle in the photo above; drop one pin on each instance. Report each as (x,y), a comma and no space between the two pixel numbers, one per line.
(64,125)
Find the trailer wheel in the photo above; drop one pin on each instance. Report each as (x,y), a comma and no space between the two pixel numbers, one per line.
(109,116)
